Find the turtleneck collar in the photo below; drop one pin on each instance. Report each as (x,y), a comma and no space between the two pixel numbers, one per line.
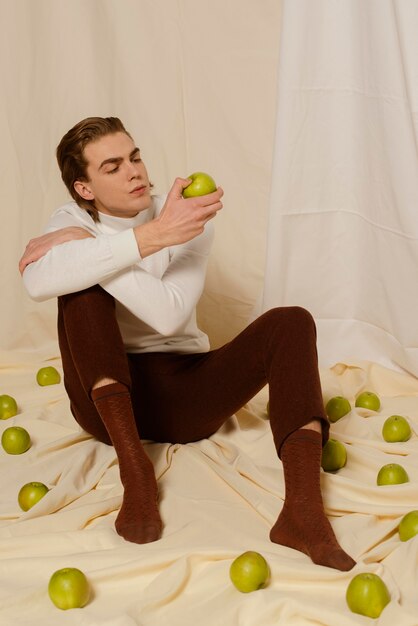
(122,223)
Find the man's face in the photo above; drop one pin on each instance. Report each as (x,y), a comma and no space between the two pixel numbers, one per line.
(118,180)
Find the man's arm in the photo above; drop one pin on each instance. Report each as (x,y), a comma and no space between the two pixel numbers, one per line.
(165,304)
(180,221)
(81,262)
(39,246)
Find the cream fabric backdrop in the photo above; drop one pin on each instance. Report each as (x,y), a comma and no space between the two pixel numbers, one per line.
(194,82)
(343,222)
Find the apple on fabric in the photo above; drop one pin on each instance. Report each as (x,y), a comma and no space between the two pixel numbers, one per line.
(15,440)
(368,400)
(48,376)
(8,406)
(249,572)
(68,588)
(337,407)
(367,595)
(392,474)
(201,185)
(30,494)
(396,429)
(334,455)
(408,526)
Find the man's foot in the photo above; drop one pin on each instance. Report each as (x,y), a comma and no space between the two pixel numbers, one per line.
(302,523)
(314,537)
(138,520)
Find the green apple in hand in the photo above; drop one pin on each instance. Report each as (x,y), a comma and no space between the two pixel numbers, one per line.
(201,185)
(367,595)
(368,400)
(8,407)
(408,526)
(334,455)
(337,407)
(69,588)
(249,572)
(15,440)
(396,428)
(392,474)
(30,494)
(48,376)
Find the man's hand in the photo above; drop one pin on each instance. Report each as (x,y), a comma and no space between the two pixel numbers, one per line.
(39,246)
(180,219)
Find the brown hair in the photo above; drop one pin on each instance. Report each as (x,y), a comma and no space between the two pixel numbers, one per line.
(70,154)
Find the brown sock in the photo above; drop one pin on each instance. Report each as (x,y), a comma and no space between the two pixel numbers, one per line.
(138,519)
(302,523)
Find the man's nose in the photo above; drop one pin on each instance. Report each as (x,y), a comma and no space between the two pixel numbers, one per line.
(133,170)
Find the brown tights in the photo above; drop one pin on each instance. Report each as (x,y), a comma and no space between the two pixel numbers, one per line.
(180,398)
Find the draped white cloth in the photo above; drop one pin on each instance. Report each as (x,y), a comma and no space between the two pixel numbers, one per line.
(343,219)
(218,498)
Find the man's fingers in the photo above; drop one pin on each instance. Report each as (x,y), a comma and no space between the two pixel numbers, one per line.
(212,209)
(215,195)
(39,246)
(23,263)
(178,186)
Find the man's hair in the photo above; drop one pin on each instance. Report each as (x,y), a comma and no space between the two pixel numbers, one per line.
(70,154)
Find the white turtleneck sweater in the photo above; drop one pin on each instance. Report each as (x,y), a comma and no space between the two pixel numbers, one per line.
(155,297)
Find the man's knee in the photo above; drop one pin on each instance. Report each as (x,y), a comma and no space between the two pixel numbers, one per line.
(92,296)
(295,316)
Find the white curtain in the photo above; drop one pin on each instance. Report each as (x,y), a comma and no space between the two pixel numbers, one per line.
(343,222)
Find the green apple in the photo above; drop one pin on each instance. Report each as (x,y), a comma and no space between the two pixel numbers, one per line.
(69,588)
(249,572)
(368,400)
(408,526)
(30,494)
(367,595)
(201,185)
(392,474)
(48,376)
(396,428)
(15,440)
(334,455)
(337,407)
(8,407)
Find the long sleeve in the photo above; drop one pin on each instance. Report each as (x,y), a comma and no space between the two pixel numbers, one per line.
(78,264)
(162,290)
(165,304)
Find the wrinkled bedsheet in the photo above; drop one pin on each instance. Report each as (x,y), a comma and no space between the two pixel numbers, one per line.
(219,498)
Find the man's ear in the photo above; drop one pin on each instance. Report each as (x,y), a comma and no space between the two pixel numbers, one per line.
(83,190)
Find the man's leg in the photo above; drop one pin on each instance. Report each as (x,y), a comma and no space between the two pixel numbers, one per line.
(188,397)
(96,376)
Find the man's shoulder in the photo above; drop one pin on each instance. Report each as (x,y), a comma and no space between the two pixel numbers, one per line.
(70,214)
(72,208)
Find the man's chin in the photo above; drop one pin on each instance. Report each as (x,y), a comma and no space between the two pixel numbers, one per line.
(140,203)
(144,202)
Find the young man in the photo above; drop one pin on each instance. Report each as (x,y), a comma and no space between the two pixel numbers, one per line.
(128,269)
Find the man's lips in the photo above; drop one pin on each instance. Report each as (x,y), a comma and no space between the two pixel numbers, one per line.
(139,190)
